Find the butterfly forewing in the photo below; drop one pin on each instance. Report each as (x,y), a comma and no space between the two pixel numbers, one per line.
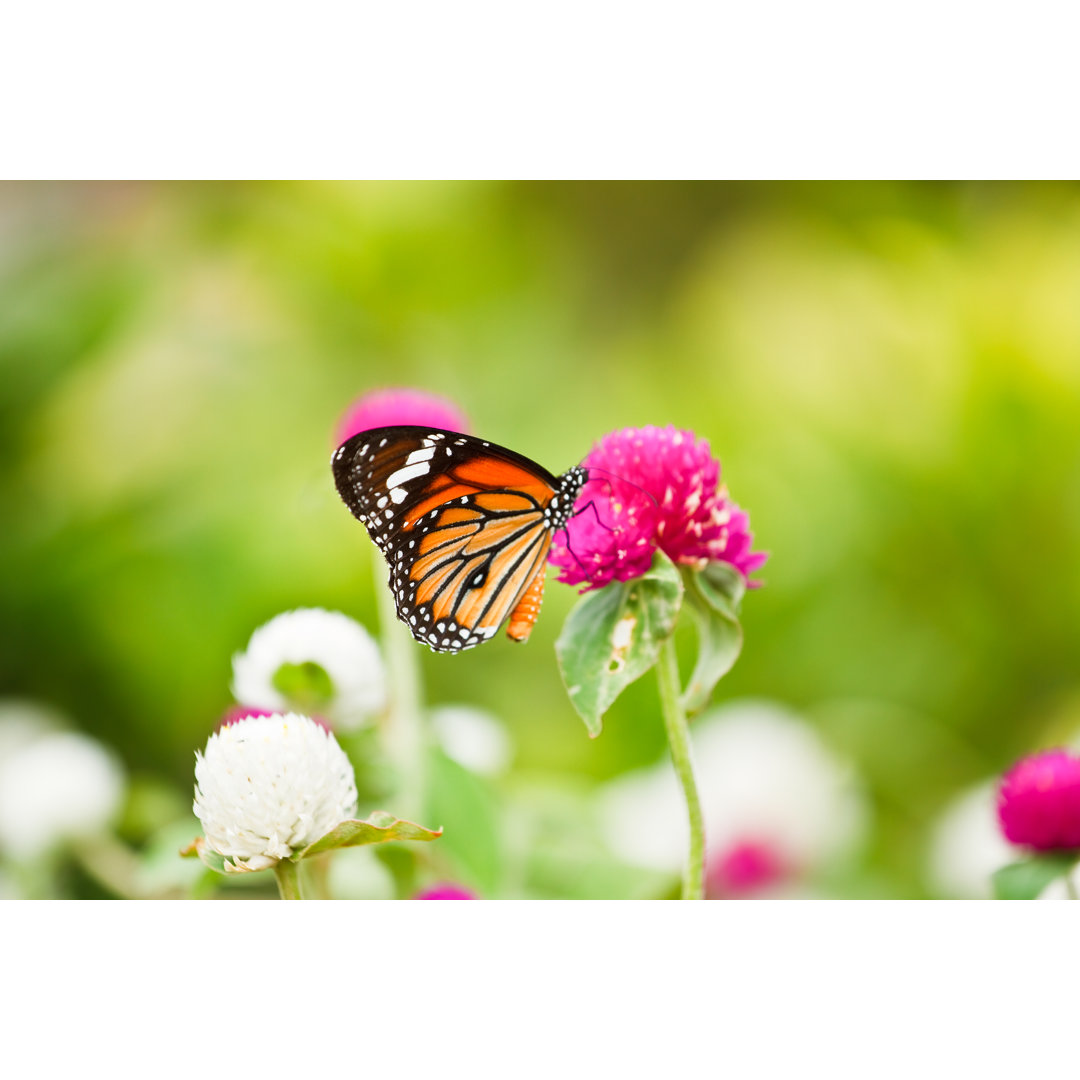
(464,525)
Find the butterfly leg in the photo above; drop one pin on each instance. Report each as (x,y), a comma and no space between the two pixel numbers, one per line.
(596,513)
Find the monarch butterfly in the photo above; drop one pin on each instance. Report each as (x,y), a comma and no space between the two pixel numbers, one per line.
(464,525)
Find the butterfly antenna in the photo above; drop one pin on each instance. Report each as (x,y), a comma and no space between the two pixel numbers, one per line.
(622,479)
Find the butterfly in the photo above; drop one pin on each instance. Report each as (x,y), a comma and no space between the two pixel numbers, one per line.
(464,525)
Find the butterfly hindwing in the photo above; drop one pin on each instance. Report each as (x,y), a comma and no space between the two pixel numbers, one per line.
(464,525)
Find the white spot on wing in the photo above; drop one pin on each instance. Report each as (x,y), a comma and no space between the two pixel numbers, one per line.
(409,472)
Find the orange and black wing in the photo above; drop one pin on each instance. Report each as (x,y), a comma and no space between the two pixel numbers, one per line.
(464,525)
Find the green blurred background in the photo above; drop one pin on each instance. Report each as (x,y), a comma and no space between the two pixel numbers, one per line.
(890,374)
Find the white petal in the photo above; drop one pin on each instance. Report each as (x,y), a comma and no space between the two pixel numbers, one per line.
(268,786)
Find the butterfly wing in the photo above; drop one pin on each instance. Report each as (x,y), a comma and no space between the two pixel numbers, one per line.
(464,525)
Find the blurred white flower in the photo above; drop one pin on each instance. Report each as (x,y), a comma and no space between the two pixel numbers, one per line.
(54,788)
(777,804)
(472,737)
(269,786)
(23,721)
(966,845)
(323,657)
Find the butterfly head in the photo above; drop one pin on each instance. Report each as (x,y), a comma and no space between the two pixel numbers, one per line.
(561,507)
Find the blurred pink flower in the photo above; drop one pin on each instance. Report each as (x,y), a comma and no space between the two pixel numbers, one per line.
(400,405)
(746,868)
(1039,801)
(445,891)
(237,713)
(651,488)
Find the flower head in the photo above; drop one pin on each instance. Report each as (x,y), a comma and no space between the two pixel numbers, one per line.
(386,408)
(1039,801)
(268,786)
(56,787)
(747,867)
(445,891)
(777,804)
(651,488)
(315,660)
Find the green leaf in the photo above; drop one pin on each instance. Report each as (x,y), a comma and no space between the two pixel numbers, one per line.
(307,686)
(714,595)
(199,849)
(726,586)
(613,636)
(377,829)
(1026,880)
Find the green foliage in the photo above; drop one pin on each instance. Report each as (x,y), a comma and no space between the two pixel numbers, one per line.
(306,686)
(1025,880)
(714,596)
(469,816)
(379,828)
(887,371)
(613,636)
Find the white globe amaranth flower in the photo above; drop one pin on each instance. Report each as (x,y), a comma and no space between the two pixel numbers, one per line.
(763,775)
(966,845)
(268,786)
(54,789)
(472,737)
(332,655)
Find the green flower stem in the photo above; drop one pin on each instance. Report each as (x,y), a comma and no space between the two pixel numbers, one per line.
(405,736)
(288,879)
(111,863)
(678,733)
(1070,887)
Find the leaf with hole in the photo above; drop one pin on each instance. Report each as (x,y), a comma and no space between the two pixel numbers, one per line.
(613,636)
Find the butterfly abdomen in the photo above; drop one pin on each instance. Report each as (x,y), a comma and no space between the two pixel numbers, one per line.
(524,615)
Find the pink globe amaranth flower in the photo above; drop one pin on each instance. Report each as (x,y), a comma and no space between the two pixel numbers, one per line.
(236,713)
(387,408)
(746,868)
(445,891)
(651,488)
(1039,801)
